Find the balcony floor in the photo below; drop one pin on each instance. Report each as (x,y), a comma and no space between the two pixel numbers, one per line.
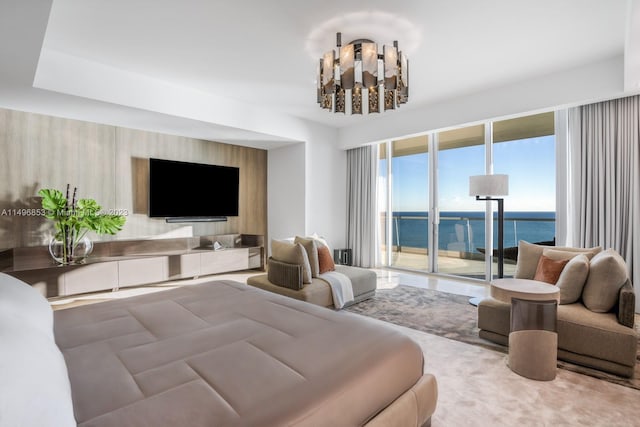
(467,268)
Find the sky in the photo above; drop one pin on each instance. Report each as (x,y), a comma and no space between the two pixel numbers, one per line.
(530,164)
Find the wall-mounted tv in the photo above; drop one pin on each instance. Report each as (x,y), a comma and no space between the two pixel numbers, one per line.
(192,190)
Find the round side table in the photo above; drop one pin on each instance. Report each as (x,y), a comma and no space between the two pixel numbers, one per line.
(533,337)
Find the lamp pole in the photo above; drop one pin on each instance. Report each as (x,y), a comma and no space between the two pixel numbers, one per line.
(488,186)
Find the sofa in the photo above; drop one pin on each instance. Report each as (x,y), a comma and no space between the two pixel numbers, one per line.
(302,268)
(595,321)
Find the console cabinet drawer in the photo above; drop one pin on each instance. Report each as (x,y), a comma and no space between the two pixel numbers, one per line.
(91,278)
(225,260)
(140,271)
(184,265)
(255,258)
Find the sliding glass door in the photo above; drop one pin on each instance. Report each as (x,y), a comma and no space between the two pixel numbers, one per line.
(525,149)
(461,226)
(406,196)
(428,220)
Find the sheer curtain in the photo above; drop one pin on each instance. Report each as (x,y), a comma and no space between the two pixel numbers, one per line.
(362,176)
(605,178)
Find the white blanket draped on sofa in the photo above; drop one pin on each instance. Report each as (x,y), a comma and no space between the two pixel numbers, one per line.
(341,288)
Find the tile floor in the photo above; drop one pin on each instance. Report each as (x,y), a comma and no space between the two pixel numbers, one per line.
(387,279)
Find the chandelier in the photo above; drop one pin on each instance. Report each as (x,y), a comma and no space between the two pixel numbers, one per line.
(361,80)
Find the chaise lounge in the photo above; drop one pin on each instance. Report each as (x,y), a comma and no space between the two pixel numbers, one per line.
(303,269)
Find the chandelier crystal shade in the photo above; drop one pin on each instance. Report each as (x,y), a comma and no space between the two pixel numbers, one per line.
(358,79)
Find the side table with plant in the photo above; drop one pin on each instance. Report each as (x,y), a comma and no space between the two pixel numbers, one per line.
(73,218)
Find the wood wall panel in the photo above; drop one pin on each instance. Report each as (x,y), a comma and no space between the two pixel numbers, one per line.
(110,164)
(49,152)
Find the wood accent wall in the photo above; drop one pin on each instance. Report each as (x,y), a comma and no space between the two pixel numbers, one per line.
(110,164)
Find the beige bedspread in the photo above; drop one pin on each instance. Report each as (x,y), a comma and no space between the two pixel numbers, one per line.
(226,354)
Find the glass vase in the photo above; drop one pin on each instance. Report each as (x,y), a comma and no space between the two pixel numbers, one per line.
(72,254)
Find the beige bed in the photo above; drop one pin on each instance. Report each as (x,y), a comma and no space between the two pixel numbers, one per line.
(225,354)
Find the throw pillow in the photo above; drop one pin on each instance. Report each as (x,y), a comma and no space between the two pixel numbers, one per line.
(607,274)
(529,255)
(284,274)
(549,269)
(292,253)
(311,248)
(22,301)
(320,241)
(325,260)
(558,255)
(572,279)
(35,389)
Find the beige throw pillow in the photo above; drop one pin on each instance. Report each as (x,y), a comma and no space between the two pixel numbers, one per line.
(529,256)
(292,253)
(310,247)
(559,255)
(607,274)
(572,279)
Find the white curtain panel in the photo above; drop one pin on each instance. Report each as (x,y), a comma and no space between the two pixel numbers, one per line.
(362,176)
(605,178)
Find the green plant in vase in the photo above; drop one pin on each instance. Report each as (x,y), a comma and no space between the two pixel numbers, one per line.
(73,219)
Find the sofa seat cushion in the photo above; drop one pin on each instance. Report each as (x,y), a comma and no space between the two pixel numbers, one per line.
(580,331)
(362,279)
(580,328)
(494,316)
(317,292)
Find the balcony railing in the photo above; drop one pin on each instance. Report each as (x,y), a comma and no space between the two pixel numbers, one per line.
(463,236)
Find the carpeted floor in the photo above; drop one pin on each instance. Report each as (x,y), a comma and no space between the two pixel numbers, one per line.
(476,388)
(451,316)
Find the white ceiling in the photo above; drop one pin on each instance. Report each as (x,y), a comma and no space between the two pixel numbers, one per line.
(265,53)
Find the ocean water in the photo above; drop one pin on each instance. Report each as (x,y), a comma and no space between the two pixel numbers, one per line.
(464,231)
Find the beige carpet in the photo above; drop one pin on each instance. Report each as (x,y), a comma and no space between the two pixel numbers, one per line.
(477,388)
(451,316)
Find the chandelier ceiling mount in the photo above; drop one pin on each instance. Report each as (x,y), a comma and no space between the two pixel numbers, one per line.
(358,79)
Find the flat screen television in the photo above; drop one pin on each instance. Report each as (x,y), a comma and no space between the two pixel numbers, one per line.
(192,190)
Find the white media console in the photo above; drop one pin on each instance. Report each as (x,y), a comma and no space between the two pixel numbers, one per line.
(118,264)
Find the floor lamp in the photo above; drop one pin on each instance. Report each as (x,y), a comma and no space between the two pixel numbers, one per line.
(491,186)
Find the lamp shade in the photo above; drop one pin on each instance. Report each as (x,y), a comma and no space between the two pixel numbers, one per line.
(489,185)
